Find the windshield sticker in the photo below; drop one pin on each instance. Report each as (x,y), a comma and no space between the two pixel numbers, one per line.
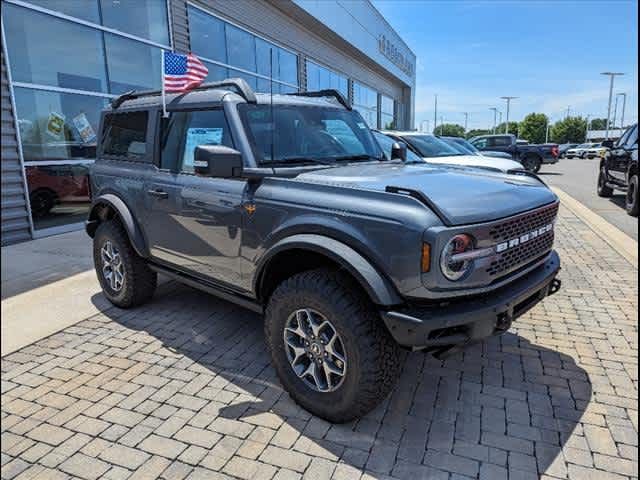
(197,137)
(84,128)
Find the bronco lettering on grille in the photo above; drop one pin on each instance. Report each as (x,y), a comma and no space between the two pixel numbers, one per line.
(514,242)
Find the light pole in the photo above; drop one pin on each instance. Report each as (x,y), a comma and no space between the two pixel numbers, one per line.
(441,123)
(615,112)
(495,112)
(499,117)
(611,75)
(508,99)
(435,115)
(422,126)
(466,119)
(586,135)
(546,137)
(624,104)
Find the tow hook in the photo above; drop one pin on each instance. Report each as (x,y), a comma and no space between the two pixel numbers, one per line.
(555,286)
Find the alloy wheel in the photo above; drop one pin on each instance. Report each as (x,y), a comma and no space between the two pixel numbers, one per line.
(112,267)
(315,350)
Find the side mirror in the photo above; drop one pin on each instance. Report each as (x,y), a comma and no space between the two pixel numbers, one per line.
(217,161)
(399,151)
(607,143)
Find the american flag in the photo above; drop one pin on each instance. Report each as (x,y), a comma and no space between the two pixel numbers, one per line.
(182,72)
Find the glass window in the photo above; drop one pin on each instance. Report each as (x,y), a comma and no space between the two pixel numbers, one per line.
(387,142)
(264,52)
(142,18)
(85,10)
(182,132)
(206,35)
(480,143)
(125,74)
(386,104)
(633,138)
(499,142)
(430,146)
(49,51)
(241,48)
(297,135)
(216,72)
(57,126)
(288,63)
(320,78)
(125,134)
(250,79)
(365,101)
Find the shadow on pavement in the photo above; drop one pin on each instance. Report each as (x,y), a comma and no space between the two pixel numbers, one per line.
(503,404)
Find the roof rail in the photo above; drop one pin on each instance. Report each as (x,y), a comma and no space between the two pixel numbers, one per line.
(239,84)
(325,93)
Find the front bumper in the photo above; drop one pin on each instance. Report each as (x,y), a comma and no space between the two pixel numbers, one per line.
(462,322)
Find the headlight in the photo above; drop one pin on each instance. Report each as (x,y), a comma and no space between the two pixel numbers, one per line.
(455,270)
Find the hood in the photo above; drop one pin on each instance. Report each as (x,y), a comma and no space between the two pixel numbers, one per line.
(477,161)
(461,195)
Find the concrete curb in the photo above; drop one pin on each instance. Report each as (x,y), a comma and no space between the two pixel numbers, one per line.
(620,241)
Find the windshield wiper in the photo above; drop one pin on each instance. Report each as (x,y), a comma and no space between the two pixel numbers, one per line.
(355,158)
(291,160)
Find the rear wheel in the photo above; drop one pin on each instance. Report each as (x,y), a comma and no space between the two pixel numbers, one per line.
(532,163)
(603,190)
(125,277)
(632,196)
(328,345)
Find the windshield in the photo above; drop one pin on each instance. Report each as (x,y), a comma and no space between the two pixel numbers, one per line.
(307,135)
(387,143)
(430,146)
(461,145)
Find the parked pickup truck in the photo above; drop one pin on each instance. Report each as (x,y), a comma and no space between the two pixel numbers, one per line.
(531,156)
(287,205)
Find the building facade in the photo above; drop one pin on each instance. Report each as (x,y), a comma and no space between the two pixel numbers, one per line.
(63,60)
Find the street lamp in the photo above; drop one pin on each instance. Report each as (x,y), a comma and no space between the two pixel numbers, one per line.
(611,75)
(495,111)
(546,137)
(615,113)
(508,99)
(624,103)
(435,115)
(422,126)
(466,118)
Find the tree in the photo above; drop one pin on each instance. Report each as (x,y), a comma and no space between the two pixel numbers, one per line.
(476,132)
(569,130)
(449,130)
(513,128)
(598,124)
(534,128)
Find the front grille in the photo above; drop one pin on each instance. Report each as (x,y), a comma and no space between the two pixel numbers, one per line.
(522,254)
(524,224)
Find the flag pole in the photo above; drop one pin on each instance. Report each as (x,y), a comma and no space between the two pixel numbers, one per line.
(164,100)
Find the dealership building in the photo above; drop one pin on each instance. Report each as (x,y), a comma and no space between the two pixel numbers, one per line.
(63,60)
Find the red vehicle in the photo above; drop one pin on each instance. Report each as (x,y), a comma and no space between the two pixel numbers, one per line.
(50,185)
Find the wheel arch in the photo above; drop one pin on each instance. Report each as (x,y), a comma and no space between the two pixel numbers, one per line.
(306,251)
(109,206)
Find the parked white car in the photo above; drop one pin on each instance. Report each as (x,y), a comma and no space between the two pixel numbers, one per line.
(580,151)
(434,150)
(597,151)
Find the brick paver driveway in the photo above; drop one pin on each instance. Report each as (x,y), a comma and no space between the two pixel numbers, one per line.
(182,388)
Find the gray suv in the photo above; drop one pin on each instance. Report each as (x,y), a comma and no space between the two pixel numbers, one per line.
(287,205)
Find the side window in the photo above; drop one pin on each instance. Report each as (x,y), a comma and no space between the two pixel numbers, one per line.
(501,141)
(125,134)
(632,139)
(480,143)
(182,132)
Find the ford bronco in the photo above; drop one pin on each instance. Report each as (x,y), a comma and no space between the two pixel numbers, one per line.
(286,205)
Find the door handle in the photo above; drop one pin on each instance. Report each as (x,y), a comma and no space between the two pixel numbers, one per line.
(158,193)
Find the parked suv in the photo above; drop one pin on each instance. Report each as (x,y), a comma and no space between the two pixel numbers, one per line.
(531,156)
(619,169)
(287,205)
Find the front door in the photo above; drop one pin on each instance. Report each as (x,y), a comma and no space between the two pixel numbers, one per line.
(194,223)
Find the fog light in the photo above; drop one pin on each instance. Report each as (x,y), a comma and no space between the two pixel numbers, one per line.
(455,270)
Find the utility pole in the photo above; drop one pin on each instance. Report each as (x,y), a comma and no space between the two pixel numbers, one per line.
(615,113)
(441,124)
(611,75)
(586,135)
(435,115)
(466,118)
(499,117)
(546,137)
(624,104)
(495,112)
(508,99)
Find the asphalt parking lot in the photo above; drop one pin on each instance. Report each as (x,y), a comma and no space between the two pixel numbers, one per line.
(183,388)
(579,178)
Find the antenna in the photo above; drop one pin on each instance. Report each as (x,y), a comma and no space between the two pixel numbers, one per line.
(272,119)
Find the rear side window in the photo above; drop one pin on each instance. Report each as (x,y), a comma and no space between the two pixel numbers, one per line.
(499,142)
(182,132)
(125,135)
(480,143)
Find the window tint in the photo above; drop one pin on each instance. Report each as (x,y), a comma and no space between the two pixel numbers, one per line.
(125,134)
(182,132)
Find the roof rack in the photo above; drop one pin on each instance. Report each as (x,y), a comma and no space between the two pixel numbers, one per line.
(241,86)
(325,93)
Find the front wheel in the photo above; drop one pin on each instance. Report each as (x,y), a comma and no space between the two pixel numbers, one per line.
(125,278)
(632,196)
(329,346)
(603,190)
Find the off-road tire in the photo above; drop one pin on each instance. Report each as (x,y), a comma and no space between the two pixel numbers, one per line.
(374,360)
(139,280)
(532,163)
(631,202)
(603,190)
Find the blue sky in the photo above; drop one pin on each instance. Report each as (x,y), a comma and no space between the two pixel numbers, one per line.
(548,53)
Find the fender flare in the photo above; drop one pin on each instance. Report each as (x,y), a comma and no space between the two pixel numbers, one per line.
(124,214)
(380,290)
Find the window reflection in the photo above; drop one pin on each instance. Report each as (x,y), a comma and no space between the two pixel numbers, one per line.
(142,18)
(85,10)
(320,78)
(365,101)
(124,74)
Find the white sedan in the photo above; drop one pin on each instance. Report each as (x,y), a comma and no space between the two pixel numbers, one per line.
(580,151)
